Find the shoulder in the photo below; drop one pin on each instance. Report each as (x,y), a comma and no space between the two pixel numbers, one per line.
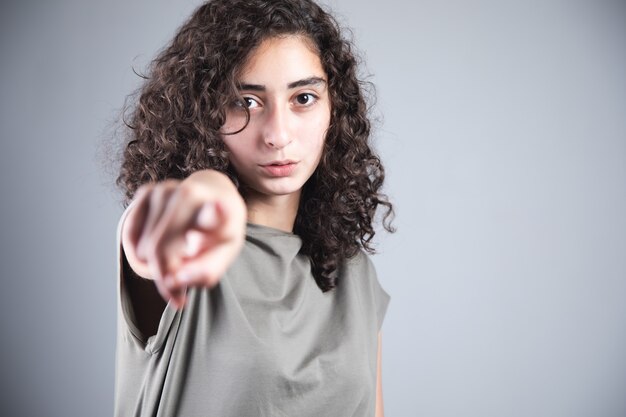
(360,277)
(361,262)
(359,271)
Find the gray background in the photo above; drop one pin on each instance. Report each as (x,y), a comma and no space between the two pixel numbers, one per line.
(504,135)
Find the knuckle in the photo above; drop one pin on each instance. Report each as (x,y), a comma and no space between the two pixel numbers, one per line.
(186,191)
(170,183)
(150,248)
(144,188)
(157,194)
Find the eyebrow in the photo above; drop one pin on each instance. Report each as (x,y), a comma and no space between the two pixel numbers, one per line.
(300,83)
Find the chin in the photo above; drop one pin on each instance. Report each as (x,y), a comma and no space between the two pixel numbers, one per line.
(282,191)
(282,187)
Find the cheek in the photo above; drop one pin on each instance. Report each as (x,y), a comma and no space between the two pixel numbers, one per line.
(318,137)
(230,143)
(235,153)
(235,121)
(239,143)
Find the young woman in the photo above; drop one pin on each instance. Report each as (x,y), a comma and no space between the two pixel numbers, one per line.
(244,286)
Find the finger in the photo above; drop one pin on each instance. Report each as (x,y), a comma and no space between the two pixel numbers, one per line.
(157,204)
(162,289)
(168,239)
(176,296)
(232,220)
(208,268)
(197,242)
(219,251)
(137,218)
(159,200)
(201,236)
(207,217)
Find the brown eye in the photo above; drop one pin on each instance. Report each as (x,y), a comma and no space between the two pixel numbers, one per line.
(248,102)
(305,99)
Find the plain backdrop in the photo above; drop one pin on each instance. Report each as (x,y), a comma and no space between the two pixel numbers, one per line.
(502,125)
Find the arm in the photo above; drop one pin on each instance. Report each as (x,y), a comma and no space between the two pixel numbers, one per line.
(379,380)
(184,233)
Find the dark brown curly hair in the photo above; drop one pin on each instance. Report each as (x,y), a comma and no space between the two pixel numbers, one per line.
(176,120)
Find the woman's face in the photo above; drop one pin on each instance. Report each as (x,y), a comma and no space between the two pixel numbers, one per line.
(285,89)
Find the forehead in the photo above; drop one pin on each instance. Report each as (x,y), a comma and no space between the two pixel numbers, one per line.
(282,59)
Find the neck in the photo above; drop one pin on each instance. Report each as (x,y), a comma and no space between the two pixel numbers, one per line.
(276,211)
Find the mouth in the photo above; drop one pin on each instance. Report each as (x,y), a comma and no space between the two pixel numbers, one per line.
(283,168)
(280,163)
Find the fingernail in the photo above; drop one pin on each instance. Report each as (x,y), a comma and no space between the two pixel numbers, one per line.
(183,277)
(207,217)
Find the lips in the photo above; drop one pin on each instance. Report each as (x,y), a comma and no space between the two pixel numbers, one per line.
(282,162)
(281,168)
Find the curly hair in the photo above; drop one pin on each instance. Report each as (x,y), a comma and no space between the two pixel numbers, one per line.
(175,123)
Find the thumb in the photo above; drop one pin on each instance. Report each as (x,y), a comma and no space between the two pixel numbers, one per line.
(204,230)
(207,217)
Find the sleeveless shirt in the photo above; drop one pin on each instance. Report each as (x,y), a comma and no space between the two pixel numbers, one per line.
(265,341)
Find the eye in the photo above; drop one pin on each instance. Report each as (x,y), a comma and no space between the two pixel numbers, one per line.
(306,99)
(248,102)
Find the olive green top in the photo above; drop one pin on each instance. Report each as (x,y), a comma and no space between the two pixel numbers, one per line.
(266,341)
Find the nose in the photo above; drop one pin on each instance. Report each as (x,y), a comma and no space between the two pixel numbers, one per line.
(276,132)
